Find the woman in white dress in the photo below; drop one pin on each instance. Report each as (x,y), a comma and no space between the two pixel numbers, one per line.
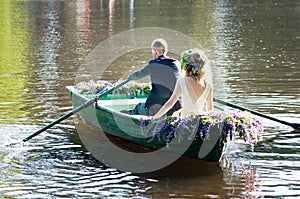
(193,88)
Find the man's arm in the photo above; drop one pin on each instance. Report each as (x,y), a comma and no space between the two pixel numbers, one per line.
(144,72)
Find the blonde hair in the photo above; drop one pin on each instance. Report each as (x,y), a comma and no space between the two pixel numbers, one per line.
(160,45)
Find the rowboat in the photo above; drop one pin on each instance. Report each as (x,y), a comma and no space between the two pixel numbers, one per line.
(207,135)
(109,114)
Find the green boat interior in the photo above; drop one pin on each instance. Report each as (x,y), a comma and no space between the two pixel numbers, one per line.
(124,103)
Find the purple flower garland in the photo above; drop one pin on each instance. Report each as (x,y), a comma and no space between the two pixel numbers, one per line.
(197,126)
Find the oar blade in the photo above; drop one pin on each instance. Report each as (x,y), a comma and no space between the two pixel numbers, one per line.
(296,127)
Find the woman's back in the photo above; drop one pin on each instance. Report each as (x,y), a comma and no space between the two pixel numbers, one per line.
(193,88)
(193,94)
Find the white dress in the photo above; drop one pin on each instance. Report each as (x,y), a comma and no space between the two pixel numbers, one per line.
(188,105)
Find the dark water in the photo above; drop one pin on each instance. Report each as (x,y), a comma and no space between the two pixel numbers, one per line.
(254,46)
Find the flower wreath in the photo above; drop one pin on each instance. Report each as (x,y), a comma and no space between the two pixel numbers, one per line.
(185,62)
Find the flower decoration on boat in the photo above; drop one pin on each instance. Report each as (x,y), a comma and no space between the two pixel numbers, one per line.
(131,89)
(92,87)
(197,126)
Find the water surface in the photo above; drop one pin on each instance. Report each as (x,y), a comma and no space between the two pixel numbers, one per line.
(254,46)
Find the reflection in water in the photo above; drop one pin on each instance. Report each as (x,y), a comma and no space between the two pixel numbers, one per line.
(243,172)
(82,20)
(47,53)
(131,12)
(111,14)
(43,43)
(250,181)
(254,53)
(14,64)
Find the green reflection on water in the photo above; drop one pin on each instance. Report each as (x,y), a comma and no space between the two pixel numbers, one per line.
(13,63)
(191,18)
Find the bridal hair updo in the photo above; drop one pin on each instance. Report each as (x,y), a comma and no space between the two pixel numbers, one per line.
(192,62)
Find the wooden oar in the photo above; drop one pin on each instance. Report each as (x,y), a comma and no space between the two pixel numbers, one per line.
(296,126)
(79,108)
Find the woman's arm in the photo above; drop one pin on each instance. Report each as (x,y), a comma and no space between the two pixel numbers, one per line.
(170,103)
(209,100)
